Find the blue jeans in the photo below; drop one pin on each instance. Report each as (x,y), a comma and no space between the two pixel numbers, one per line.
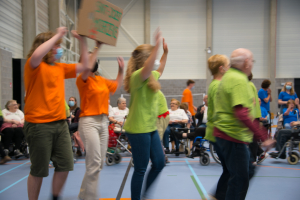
(237,170)
(167,135)
(145,146)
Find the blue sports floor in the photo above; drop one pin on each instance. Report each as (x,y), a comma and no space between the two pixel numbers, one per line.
(183,178)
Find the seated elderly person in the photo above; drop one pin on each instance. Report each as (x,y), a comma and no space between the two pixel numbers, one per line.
(178,118)
(117,114)
(12,128)
(201,114)
(290,114)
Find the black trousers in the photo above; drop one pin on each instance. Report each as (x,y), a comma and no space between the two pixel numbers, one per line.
(255,150)
(10,135)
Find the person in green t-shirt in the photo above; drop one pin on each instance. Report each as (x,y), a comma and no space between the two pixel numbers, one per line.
(235,128)
(141,82)
(255,149)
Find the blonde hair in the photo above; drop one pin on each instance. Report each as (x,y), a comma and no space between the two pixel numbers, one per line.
(177,102)
(184,106)
(40,39)
(137,61)
(8,103)
(216,61)
(284,88)
(289,102)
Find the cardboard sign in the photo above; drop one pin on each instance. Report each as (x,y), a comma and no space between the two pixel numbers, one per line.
(99,20)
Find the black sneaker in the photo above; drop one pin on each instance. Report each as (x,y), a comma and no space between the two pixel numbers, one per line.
(17,153)
(167,151)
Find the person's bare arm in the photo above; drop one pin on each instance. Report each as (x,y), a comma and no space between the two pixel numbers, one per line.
(119,78)
(163,59)
(280,102)
(43,49)
(149,63)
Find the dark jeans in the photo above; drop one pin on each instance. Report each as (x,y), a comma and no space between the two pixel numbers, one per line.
(145,146)
(12,135)
(237,170)
(255,150)
(167,134)
(282,137)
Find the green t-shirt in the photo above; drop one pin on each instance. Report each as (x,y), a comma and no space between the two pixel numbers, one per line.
(233,90)
(256,112)
(162,103)
(1,112)
(212,90)
(143,108)
(67,109)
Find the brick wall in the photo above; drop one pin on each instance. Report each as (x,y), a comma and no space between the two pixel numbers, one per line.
(6,91)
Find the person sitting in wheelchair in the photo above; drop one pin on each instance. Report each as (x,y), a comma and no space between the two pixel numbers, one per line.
(290,119)
(117,114)
(178,118)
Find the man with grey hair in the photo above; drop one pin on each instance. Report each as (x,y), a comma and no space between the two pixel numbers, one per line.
(117,114)
(234,129)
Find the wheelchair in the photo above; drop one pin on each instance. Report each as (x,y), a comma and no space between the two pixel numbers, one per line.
(200,148)
(293,145)
(24,149)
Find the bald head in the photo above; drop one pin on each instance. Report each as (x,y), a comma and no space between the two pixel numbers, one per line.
(242,59)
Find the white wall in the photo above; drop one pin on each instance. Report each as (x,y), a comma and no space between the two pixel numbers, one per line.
(183,24)
(11,31)
(243,24)
(288,39)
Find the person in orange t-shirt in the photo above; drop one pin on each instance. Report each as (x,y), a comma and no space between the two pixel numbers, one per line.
(45,128)
(94,91)
(187,97)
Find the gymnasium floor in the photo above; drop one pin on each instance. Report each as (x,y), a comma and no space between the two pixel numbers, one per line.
(183,178)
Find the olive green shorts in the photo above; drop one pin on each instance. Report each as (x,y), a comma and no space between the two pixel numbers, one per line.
(49,141)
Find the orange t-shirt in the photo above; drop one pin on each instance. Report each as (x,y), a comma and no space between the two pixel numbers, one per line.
(94,95)
(188,98)
(45,91)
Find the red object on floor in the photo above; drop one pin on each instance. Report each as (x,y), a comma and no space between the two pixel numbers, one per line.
(112,140)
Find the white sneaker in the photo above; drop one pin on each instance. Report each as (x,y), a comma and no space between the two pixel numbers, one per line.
(262,157)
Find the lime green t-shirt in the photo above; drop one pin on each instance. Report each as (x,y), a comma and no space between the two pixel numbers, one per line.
(1,112)
(233,90)
(212,90)
(256,112)
(162,103)
(143,108)
(67,109)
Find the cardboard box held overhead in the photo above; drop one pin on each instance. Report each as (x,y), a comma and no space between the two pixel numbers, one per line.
(99,20)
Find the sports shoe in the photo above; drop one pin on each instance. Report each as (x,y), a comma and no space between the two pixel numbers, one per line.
(262,157)
(254,163)
(4,160)
(167,151)
(17,153)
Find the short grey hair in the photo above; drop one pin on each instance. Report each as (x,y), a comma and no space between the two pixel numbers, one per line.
(237,61)
(120,100)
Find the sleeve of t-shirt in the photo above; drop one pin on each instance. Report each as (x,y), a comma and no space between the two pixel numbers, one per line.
(295,96)
(111,112)
(238,97)
(280,96)
(112,85)
(262,95)
(4,112)
(186,96)
(69,69)
(184,115)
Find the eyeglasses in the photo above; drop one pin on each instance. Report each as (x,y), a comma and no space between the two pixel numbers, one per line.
(13,104)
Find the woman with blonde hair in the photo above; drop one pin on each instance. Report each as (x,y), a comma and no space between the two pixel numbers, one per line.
(287,93)
(45,128)
(141,82)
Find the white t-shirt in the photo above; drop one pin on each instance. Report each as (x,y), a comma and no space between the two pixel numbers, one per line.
(109,108)
(118,114)
(204,120)
(178,114)
(17,116)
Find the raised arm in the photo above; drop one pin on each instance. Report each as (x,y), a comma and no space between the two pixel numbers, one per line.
(47,46)
(149,63)
(91,61)
(119,78)
(83,63)
(163,59)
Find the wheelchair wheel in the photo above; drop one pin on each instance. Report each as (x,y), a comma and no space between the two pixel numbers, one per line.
(204,160)
(110,160)
(117,158)
(293,159)
(214,153)
(132,163)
